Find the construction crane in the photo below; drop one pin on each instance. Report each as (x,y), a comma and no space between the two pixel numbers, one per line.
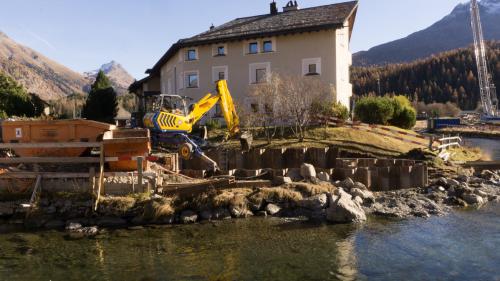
(171,121)
(487,88)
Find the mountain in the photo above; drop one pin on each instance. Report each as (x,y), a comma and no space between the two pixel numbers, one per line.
(37,73)
(446,77)
(452,32)
(119,77)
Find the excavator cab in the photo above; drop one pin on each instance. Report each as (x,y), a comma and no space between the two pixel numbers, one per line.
(174,104)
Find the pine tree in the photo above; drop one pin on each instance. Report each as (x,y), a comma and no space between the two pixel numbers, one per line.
(101,104)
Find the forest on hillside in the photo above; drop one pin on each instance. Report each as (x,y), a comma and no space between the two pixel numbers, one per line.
(447,77)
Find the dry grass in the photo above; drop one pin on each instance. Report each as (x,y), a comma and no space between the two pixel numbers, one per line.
(344,137)
(277,194)
(158,208)
(118,204)
(308,190)
(465,154)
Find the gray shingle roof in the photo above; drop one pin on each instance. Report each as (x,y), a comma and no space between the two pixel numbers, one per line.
(302,20)
(329,15)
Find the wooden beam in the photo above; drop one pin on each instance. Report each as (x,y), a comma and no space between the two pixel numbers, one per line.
(64,175)
(60,160)
(101,177)
(49,145)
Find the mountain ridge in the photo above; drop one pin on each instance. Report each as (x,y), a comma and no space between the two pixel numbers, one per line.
(451,32)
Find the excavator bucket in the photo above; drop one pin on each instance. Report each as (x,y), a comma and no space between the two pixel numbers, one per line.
(228,109)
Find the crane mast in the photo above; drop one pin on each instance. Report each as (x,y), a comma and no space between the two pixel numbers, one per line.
(487,88)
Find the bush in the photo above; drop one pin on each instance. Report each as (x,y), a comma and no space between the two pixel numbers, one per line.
(396,111)
(404,116)
(331,109)
(374,110)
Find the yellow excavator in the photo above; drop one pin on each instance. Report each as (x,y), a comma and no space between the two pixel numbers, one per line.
(171,121)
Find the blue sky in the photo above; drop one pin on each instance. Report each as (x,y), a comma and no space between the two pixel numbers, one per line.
(83,34)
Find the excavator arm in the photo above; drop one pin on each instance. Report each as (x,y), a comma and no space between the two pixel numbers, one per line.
(223,97)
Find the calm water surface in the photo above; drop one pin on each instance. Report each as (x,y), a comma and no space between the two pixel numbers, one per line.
(462,246)
(491,147)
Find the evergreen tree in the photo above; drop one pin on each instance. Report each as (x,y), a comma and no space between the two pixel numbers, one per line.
(15,101)
(101,104)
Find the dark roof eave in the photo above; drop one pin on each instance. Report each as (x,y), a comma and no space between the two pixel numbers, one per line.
(179,45)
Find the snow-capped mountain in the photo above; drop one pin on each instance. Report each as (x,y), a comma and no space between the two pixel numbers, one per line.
(452,32)
(119,77)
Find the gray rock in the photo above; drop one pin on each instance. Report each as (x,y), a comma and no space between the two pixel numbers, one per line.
(359,185)
(221,214)
(473,199)
(294,174)
(240,212)
(281,180)
(358,200)
(441,189)
(441,181)
(453,183)
(272,209)
(463,178)
(89,231)
(111,222)
(481,193)
(307,171)
(364,194)
(316,202)
(322,176)
(344,210)
(73,226)
(206,215)
(346,184)
(188,216)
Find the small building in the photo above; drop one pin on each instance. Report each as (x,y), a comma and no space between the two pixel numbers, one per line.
(302,42)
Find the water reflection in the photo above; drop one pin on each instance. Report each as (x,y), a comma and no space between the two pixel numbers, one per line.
(460,246)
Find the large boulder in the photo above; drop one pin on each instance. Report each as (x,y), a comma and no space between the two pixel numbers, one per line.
(316,202)
(294,174)
(366,195)
(322,176)
(343,209)
(346,184)
(221,214)
(473,199)
(307,171)
(282,180)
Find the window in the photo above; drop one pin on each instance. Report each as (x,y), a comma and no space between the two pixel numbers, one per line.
(253,48)
(312,69)
(221,51)
(260,75)
(192,80)
(258,72)
(222,75)
(268,46)
(191,55)
(311,66)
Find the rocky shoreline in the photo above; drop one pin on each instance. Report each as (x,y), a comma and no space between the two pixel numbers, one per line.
(312,198)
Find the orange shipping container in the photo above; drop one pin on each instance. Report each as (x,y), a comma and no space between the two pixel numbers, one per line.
(44,131)
(126,143)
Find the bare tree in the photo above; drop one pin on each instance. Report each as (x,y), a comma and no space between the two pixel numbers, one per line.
(299,94)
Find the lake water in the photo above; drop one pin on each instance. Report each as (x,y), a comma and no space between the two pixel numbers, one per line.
(491,147)
(462,246)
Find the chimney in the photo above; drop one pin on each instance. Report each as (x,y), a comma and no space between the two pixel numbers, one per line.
(212,26)
(274,8)
(291,6)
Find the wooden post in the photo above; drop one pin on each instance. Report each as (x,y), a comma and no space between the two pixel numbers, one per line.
(101,177)
(140,160)
(92,179)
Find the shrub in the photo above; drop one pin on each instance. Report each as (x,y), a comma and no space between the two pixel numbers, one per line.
(404,116)
(330,109)
(374,110)
(15,101)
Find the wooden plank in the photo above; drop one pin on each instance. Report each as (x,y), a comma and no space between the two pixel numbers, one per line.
(139,171)
(193,189)
(60,160)
(101,177)
(63,175)
(49,145)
